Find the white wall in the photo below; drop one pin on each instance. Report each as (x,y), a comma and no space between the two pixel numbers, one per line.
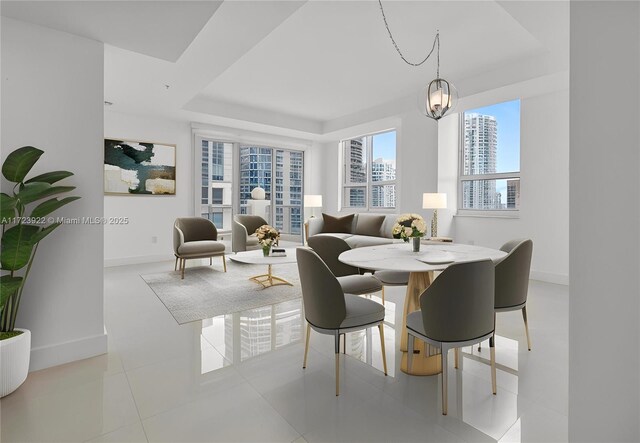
(150,217)
(416,161)
(604,307)
(544,174)
(52,98)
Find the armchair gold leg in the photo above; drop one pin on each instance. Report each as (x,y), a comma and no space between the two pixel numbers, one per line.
(526,326)
(384,354)
(383,295)
(306,346)
(456,352)
(224,262)
(183,264)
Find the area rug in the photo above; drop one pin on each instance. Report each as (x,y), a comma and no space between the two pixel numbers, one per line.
(207,292)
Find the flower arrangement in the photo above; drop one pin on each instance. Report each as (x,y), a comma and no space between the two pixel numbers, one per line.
(267,237)
(408,226)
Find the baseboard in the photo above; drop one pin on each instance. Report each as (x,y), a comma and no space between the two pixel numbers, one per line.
(60,353)
(550,277)
(124,261)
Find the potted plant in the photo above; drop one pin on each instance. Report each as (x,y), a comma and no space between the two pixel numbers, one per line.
(410,226)
(21,235)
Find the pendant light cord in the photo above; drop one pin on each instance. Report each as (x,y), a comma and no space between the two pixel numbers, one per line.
(436,40)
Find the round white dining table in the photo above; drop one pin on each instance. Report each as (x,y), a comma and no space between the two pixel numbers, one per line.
(433,256)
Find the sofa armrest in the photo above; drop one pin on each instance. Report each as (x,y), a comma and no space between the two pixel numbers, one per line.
(315,226)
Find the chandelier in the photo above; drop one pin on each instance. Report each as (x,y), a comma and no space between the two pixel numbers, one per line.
(439,96)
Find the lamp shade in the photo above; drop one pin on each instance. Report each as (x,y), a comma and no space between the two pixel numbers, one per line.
(434,200)
(312,201)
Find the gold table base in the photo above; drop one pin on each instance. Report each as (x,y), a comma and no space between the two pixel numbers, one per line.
(267,280)
(426,359)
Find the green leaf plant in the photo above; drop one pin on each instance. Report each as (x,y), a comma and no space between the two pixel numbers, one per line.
(22,233)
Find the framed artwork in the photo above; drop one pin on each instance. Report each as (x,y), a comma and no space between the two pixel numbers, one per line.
(139,168)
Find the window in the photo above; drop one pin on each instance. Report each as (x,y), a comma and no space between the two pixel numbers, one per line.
(369,172)
(490,158)
(216,171)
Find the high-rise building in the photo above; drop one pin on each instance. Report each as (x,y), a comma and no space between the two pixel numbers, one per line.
(480,157)
(513,194)
(355,171)
(383,196)
(216,183)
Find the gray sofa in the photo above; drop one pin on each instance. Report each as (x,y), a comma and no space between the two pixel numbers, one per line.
(361,232)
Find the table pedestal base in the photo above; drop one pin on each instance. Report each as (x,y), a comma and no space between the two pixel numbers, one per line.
(267,280)
(426,359)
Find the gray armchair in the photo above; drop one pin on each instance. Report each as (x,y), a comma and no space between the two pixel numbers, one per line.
(456,311)
(329,311)
(243,232)
(196,237)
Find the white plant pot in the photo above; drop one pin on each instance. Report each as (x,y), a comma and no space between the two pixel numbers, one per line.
(14,361)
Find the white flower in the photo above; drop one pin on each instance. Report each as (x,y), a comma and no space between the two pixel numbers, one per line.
(420,225)
(408,231)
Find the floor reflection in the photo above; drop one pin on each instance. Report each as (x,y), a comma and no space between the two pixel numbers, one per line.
(242,335)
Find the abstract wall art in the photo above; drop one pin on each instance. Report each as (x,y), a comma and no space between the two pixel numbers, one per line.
(139,168)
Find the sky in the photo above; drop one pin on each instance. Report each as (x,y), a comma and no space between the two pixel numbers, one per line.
(507,115)
(384,145)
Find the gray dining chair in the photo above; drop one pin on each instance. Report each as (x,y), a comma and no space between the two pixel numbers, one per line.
(391,278)
(328,310)
(196,237)
(512,280)
(329,248)
(456,311)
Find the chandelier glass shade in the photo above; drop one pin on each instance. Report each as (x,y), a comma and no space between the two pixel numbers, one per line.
(437,98)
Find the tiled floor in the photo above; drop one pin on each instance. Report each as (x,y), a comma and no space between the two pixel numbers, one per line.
(239,378)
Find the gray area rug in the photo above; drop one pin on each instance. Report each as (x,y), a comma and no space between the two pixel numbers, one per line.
(208,292)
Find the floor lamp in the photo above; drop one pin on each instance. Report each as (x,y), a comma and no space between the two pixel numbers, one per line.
(311,201)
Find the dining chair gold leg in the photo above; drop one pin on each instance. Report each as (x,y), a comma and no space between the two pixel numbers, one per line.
(445,367)
(224,262)
(182,266)
(492,346)
(384,353)
(337,350)
(175,267)
(456,352)
(306,346)
(383,295)
(526,326)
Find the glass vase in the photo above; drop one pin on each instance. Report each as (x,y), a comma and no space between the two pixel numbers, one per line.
(415,244)
(266,250)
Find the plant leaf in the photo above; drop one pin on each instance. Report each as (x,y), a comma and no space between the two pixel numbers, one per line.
(44,232)
(17,244)
(50,177)
(7,208)
(33,191)
(49,206)
(8,286)
(18,164)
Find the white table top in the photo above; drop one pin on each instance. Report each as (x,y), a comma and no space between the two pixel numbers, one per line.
(256,257)
(399,257)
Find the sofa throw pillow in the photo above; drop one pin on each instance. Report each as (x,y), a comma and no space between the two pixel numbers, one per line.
(337,225)
(368,224)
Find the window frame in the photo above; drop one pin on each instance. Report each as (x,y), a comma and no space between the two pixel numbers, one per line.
(502,212)
(368,184)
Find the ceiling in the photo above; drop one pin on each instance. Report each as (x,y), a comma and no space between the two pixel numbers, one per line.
(302,66)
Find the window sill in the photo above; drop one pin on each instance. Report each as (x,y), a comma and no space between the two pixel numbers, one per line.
(485,214)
